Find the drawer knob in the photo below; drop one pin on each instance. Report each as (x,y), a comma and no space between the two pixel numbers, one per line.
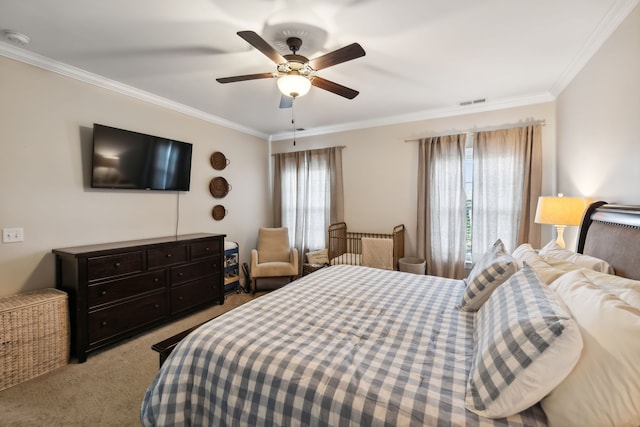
(180,298)
(103,293)
(207,249)
(168,255)
(157,306)
(104,323)
(180,274)
(117,264)
(156,280)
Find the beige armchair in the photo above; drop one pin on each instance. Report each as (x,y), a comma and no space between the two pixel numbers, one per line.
(273,257)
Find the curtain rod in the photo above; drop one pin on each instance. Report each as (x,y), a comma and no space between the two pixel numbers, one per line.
(313,149)
(515,125)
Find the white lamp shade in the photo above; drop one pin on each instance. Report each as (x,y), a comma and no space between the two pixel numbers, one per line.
(294,85)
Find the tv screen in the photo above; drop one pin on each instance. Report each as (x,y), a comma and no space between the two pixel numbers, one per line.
(130,160)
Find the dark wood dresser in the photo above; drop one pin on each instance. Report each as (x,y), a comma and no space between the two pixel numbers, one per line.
(119,289)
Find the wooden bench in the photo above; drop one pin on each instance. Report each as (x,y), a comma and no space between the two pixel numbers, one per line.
(164,348)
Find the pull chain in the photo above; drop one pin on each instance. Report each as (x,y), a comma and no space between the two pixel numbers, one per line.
(293,119)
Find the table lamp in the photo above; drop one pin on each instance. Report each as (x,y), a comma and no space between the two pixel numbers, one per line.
(560,212)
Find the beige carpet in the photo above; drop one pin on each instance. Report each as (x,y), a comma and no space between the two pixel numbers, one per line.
(107,389)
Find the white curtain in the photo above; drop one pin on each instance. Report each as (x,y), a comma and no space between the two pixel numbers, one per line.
(506,185)
(441,205)
(308,195)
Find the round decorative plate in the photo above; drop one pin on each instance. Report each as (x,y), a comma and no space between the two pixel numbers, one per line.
(218,212)
(219,187)
(219,161)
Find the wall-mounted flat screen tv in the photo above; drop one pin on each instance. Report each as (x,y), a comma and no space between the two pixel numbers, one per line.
(124,159)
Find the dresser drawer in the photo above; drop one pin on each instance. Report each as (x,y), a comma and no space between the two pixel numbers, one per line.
(114,265)
(170,255)
(119,319)
(195,270)
(106,292)
(195,293)
(206,248)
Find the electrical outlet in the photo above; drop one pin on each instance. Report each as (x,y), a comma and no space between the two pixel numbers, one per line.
(12,235)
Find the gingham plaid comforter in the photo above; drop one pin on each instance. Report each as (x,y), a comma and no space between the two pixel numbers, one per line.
(344,346)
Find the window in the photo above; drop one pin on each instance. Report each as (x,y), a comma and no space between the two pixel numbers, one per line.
(491,174)
(306,191)
(308,195)
(468,190)
(474,189)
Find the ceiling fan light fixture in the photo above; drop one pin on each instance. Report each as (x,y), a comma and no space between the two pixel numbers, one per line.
(294,84)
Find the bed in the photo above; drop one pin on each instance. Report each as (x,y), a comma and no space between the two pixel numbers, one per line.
(353,345)
(378,250)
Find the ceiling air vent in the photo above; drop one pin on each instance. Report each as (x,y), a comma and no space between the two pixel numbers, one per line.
(475,101)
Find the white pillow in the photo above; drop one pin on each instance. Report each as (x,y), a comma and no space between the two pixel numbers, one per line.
(526,343)
(627,290)
(318,257)
(552,252)
(491,271)
(526,253)
(604,387)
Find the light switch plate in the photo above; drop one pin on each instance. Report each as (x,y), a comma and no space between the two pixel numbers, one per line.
(12,235)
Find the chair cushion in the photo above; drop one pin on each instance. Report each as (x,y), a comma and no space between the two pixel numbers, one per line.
(273,245)
(274,269)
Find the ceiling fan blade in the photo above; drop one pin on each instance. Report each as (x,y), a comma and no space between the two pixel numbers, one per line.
(286,101)
(259,43)
(246,77)
(334,87)
(339,56)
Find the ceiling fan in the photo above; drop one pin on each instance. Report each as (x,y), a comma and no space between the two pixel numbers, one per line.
(296,73)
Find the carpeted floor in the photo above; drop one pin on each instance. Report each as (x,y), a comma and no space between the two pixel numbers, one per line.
(107,389)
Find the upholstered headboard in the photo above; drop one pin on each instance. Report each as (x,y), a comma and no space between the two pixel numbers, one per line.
(612,233)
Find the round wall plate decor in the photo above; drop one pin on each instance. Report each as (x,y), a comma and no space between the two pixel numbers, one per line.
(219,187)
(218,212)
(219,161)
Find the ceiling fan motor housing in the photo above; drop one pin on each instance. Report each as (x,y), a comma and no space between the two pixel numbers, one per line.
(295,62)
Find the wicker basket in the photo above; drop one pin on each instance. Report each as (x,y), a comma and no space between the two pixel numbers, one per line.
(34,335)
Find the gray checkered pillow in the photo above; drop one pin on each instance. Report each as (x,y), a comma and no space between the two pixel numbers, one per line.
(493,269)
(520,321)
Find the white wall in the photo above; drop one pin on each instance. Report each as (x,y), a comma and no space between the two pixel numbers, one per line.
(46,128)
(599,121)
(380,169)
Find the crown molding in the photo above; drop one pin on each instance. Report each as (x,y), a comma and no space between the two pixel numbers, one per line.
(45,63)
(420,116)
(607,26)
